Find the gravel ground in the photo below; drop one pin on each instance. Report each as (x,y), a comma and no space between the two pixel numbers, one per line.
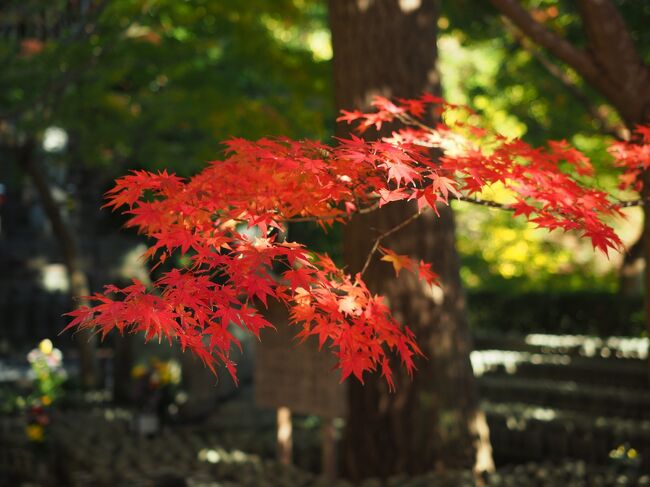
(97,448)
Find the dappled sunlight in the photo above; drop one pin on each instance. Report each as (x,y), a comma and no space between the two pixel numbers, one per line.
(317,40)
(591,346)
(54,278)
(364,4)
(408,6)
(492,244)
(477,65)
(55,139)
(484,361)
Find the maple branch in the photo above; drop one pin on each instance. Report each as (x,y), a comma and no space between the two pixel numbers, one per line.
(623,76)
(488,203)
(507,207)
(301,219)
(610,62)
(407,119)
(632,203)
(387,233)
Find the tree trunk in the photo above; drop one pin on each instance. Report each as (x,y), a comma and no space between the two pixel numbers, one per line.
(630,277)
(389,48)
(78,281)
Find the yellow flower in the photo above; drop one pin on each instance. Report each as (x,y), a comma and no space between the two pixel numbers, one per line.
(46,346)
(35,432)
(138,371)
(46,400)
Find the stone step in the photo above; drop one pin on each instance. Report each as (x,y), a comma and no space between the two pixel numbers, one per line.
(568,395)
(523,432)
(631,373)
(572,345)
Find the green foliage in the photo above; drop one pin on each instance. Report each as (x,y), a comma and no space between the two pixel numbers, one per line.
(484,64)
(513,256)
(159,83)
(585,312)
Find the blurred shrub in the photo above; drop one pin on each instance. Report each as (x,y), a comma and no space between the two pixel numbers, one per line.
(587,312)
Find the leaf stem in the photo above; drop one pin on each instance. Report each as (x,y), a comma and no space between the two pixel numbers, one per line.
(386,234)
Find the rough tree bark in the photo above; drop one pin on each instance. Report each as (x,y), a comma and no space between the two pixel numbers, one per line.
(76,276)
(388,47)
(611,64)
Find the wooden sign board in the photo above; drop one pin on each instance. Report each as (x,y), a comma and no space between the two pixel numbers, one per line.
(296,375)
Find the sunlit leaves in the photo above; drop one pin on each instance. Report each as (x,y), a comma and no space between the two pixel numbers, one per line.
(633,157)
(228,220)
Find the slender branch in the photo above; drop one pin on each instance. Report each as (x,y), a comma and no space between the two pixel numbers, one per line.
(623,76)
(386,234)
(506,207)
(303,219)
(631,203)
(407,119)
(608,35)
(557,45)
(488,203)
(362,211)
(617,131)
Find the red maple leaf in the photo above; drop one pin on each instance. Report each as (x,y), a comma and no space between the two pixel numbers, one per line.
(227,222)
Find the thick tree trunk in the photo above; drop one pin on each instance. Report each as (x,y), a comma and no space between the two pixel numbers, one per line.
(76,276)
(388,47)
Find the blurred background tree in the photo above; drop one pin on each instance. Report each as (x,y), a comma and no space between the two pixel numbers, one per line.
(93,88)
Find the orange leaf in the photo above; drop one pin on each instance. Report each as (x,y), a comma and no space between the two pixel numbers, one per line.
(398,261)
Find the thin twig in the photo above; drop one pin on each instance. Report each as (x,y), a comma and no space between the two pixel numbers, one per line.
(407,119)
(387,233)
(362,211)
(506,207)
(488,203)
(631,203)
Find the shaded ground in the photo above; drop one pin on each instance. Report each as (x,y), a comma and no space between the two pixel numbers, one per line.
(97,448)
(572,412)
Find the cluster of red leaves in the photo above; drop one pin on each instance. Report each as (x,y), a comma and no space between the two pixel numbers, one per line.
(474,159)
(634,157)
(228,221)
